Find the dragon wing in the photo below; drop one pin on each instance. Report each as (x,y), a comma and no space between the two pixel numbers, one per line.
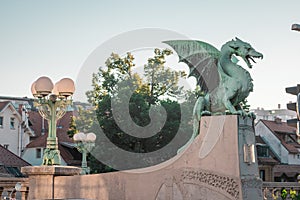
(202,59)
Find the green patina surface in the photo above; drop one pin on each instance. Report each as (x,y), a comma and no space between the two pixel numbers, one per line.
(225,84)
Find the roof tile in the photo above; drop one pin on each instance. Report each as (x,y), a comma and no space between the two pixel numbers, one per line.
(8,158)
(279,129)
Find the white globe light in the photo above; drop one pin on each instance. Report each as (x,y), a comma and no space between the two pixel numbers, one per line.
(43,86)
(79,137)
(55,90)
(33,91)
(91,137)
(66,87)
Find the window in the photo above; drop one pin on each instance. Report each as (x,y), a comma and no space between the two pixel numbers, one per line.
(6,146)
(14,171)
(262,174)
(262,151)
(1,122)
(12,123)
(38,153)
(288,139)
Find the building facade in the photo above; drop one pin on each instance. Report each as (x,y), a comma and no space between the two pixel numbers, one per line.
(14,128)
(279,141)
(283,114)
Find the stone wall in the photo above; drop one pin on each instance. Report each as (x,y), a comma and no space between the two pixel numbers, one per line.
(219,164)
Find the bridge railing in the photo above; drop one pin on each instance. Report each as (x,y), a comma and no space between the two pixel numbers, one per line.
(7,185)
(271,190)
(281,190)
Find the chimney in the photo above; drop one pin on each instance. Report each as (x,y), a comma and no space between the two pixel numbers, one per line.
(277,120)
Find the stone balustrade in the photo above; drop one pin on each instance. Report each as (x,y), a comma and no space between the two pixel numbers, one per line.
(273,190)
(7,185)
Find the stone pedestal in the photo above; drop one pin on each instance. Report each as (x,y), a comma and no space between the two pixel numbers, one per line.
(41,179)
(220,163)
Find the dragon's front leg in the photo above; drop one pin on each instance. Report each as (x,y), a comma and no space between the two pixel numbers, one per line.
(245,113)
(232,110)
(238,110)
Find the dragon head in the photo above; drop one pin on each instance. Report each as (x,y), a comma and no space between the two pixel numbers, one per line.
(245,51)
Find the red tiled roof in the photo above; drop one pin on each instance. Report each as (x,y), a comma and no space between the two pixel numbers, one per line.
(281,128)
(291,147)
(70,155)
(8,158)
(42,140)
(3,104)
(36,122)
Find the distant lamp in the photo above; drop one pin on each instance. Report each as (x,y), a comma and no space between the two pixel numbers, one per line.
(296,27)
(52,102)
(85,142)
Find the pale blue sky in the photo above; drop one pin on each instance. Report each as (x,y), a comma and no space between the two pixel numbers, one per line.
(54,38)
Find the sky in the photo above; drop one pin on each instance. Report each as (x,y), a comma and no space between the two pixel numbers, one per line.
(56,38)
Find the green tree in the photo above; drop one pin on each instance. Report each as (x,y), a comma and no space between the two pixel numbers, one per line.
(72,127)
(161,80)
(86,120)
(116,81)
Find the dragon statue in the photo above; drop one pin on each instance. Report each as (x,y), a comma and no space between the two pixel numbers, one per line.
(225,84)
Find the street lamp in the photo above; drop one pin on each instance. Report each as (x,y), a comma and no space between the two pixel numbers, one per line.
(84,143)
(296,27)
(52,101)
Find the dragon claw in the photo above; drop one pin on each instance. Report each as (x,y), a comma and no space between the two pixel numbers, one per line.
(239,112)
(251,115)
(245,114)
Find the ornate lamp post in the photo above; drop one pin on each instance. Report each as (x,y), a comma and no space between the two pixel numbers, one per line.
(52,101)
(84,143)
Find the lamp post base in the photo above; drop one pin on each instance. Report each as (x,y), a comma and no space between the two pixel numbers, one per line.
(85,170)
(51,157)
(41,179)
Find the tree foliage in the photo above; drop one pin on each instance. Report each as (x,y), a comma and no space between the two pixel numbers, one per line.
(72,127)
(117,83)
